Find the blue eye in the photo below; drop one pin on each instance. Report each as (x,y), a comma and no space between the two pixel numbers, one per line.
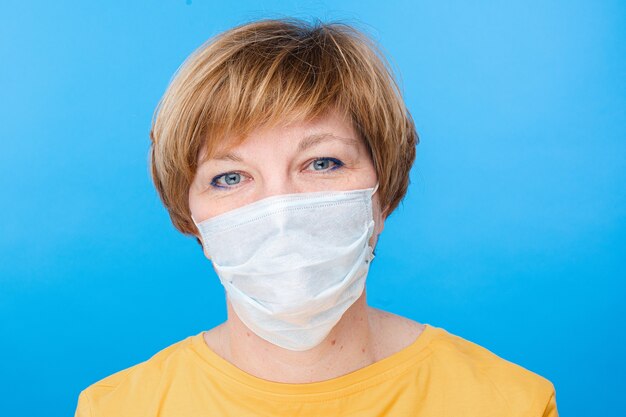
(326,164)
(226,180)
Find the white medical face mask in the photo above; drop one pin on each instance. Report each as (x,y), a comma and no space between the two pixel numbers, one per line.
(293,264)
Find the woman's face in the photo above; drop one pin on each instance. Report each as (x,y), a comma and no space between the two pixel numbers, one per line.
(325,154)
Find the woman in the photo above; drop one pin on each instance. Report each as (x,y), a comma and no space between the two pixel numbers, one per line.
(282,147)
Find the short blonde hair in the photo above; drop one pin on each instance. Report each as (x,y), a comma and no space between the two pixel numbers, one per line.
(277,71)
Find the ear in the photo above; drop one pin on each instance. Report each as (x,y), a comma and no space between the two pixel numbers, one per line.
(380,215)
(380,218)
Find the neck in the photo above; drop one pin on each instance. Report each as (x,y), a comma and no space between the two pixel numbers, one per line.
(348,347)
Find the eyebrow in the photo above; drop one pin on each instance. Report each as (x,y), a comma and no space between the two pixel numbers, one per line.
(229,156)
(312,140)
(306,142)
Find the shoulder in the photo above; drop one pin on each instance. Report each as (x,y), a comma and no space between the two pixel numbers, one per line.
(472,371)
(392,333)
(129,385)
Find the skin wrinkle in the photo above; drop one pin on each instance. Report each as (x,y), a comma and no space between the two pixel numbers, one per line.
(306,142)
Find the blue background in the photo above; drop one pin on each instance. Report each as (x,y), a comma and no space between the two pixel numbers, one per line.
(513,234)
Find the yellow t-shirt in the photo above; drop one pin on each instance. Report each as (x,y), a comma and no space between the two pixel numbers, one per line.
(438,375)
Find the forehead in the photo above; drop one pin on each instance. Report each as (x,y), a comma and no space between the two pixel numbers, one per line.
(304,133)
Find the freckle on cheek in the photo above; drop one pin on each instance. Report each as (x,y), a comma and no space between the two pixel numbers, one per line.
(333,342)
(248,334)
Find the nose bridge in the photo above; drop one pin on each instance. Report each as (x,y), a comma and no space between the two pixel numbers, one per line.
(277,182)
(275,175)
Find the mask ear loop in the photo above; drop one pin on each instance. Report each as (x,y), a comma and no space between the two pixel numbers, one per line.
(195,222)
(375,188)
(198,229)
(373,155)
(372,254)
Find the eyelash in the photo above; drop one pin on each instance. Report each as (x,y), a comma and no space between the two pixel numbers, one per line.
(337,162)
